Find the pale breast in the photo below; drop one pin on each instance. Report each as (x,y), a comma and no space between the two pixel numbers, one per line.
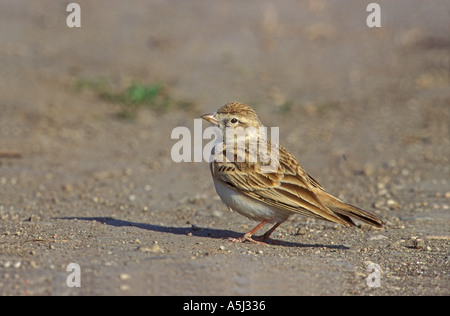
(247,206)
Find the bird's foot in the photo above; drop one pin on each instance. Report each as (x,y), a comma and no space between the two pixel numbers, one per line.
(248,239)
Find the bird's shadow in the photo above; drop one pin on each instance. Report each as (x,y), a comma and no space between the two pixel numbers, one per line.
(195,231)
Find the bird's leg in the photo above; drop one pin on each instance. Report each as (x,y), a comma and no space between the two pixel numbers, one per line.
(270,231)
(248,236)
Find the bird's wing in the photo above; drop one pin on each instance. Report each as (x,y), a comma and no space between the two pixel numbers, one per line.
(286,188)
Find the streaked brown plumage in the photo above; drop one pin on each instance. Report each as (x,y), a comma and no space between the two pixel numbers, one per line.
(271,196)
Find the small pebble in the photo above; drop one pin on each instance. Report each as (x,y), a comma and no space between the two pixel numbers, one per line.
(392,204)
(124,276)
(419,243)
(67,187)
(153,249)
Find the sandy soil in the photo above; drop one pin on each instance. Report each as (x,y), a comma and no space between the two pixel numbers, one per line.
(366,111)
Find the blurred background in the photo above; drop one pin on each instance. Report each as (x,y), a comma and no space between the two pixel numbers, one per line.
(135,70)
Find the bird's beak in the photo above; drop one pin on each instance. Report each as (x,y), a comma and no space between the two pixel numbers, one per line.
(211,118)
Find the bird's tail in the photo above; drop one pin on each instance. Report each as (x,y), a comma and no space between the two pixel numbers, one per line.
(347,212)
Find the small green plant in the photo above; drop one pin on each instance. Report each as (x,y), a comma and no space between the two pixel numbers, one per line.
(134,97)
(140,94)
(137,96)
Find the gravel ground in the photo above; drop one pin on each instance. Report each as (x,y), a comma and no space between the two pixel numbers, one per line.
(365,111)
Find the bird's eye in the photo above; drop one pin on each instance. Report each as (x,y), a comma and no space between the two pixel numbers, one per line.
(234,120)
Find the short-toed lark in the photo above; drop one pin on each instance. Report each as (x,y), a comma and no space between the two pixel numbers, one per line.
(268,195)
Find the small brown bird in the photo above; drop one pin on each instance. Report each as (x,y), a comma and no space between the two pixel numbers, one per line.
(248,187)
